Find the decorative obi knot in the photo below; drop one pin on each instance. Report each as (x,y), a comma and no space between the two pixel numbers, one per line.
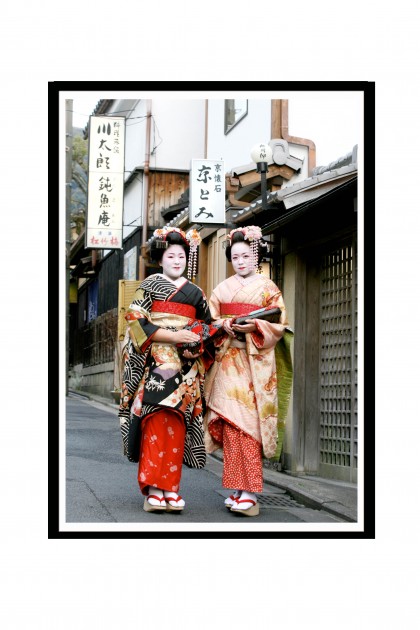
(175,308)
(236,308)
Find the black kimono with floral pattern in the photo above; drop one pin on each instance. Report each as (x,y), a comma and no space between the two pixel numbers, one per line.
(155,374)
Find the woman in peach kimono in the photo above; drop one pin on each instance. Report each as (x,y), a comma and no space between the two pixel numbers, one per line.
(241,386)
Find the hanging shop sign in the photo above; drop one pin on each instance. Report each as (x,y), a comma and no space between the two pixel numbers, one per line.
(104,224)
(207,191)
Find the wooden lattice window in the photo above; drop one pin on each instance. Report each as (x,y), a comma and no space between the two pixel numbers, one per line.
(338,361)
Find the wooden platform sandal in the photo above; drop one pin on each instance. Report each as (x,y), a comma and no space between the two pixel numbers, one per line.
(253,510)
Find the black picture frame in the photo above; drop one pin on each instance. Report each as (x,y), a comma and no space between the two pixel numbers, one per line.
(366,527)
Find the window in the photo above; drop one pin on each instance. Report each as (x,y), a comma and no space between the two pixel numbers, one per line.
(235,110)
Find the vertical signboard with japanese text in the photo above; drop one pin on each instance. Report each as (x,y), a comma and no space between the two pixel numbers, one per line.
(104,229)
(207,192)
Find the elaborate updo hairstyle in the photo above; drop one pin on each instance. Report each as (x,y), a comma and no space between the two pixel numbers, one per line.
(239,237)
(158,246)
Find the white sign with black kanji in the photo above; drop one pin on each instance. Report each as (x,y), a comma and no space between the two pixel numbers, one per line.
(104,224)
(207,191)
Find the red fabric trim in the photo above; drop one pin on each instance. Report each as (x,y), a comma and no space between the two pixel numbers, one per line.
(131,317)
(148,342)
(174,307)
(237,308)
(257,336)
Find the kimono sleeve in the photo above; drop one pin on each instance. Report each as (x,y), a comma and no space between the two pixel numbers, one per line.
(140,327)
(268,334)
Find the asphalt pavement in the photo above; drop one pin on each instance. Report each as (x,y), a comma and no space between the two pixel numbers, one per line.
(101,484)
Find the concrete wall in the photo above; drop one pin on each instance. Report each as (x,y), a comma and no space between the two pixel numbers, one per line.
(332,120)
(97,379)
(235,147)
(178,132)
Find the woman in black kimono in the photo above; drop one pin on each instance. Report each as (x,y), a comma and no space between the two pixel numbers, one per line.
(161,410)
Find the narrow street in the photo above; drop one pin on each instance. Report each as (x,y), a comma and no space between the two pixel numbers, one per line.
(101,484)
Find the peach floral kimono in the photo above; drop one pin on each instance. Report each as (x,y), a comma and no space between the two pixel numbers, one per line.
(241,387)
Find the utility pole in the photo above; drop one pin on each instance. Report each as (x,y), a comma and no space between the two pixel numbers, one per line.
(69,160)
(146,183)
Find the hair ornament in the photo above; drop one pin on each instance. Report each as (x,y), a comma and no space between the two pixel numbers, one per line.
(252,234)
(192,239)
(160,234)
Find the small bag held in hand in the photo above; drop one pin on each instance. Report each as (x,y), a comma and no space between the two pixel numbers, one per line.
(207,333)
(269,314)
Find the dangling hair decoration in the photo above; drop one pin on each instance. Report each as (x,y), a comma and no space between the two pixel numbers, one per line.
(194,240)
(252,234)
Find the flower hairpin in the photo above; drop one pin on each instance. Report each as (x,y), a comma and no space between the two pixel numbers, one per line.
(162,233)
(251,233)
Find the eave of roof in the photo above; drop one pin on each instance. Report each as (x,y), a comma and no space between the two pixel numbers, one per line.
(84,268)
(77,247)
(100,108)
(314,186)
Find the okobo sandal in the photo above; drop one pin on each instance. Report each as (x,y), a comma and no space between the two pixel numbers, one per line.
(232,498)
(174,502)
(158,505)
(252,510)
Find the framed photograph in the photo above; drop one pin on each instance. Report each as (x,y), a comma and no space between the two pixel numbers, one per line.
(269,434)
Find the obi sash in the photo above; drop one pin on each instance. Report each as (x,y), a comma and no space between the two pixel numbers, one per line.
(236,308)
(175,308)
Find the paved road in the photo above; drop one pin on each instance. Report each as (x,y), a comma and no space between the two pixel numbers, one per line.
(101,484)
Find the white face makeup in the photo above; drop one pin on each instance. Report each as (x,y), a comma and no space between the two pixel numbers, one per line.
(174,262)
(242,261)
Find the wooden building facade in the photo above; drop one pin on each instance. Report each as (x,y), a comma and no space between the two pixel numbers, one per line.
(312,227)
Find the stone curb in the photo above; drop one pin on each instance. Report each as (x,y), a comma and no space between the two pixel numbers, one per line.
(94,397)
(304,495)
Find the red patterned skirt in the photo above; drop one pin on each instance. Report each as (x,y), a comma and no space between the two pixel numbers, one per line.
(161,451)
(242,457)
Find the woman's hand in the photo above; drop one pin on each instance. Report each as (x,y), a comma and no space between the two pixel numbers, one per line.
(185,336)
(227,326)
(245,328)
